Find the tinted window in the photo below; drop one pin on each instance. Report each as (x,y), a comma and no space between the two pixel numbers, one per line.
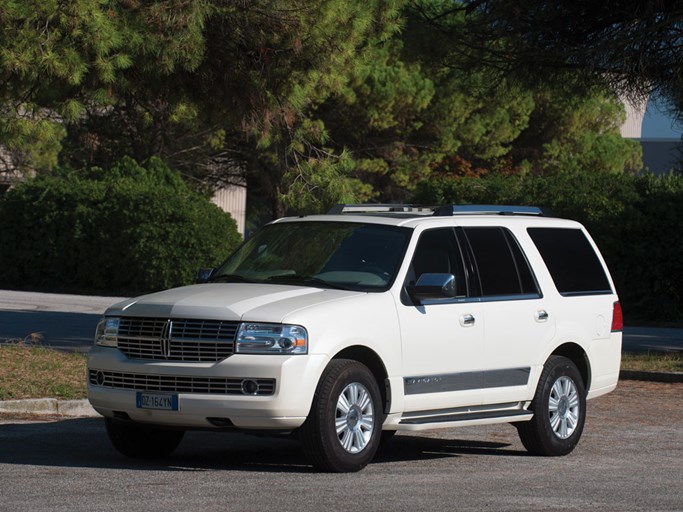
(571,260)
(437,252)
(502,267)
(347,254)
(526,277)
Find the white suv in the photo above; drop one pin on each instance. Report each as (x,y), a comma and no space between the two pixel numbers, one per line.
(350,326)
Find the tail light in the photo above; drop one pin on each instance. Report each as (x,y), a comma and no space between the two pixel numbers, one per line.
(617,318)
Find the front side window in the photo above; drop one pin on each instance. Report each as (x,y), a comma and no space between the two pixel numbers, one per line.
(437,252)
(346,255)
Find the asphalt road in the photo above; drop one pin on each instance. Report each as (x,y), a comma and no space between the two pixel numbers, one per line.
(64,322)
(657,339)
(630,458)
(67,322)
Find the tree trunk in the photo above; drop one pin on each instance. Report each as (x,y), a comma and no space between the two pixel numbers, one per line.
(278,206)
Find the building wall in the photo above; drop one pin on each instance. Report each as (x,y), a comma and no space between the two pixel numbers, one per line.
(635,112)
(660,154)
(233,199)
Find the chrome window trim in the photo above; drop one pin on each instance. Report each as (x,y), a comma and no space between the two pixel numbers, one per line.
(467,300)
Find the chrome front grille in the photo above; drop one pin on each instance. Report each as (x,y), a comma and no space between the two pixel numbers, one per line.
(177,384)
(164,339)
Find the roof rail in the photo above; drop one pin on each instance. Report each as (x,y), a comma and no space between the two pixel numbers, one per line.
(380,208)
(441,211)
(488,209)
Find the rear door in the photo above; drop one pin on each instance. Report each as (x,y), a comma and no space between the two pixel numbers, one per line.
(518,322)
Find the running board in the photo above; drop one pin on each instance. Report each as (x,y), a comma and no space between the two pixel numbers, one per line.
(467,417)
(482,415)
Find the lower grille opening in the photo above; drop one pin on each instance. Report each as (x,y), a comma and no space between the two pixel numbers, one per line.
(181,383)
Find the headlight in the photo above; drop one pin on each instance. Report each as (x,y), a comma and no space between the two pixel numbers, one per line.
(253,338)
(107,332)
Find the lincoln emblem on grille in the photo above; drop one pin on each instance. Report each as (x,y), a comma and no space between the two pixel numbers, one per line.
(165,339)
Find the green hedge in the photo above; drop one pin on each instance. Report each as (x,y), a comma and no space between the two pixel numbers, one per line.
(127,229)
(637,221)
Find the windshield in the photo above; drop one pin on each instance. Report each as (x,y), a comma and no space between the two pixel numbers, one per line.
(344,255)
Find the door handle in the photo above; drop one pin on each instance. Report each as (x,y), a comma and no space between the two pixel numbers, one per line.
(541,315)
(467,320)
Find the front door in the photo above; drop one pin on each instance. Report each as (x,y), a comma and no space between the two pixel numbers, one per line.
(442,339)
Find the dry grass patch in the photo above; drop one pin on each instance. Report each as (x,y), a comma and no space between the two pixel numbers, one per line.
(28,371)
(653,362)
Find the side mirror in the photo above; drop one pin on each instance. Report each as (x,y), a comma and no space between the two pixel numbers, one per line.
(204,275)
(433,286)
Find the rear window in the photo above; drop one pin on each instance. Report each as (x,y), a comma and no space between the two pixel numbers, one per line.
(571,260)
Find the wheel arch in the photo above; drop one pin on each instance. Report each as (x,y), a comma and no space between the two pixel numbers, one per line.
(578,356)
(371,359)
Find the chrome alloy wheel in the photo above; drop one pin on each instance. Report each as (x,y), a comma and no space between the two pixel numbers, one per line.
(355,418)
(564,407)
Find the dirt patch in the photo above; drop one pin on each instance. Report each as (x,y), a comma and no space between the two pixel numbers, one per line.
(651,403)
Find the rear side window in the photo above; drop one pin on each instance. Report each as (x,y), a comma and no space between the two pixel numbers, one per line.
(571,260)
(501,265)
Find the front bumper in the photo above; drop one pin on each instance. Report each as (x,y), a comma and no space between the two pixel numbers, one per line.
(296,378)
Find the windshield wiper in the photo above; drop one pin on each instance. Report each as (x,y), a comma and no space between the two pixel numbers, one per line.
(306,280)
(231,278)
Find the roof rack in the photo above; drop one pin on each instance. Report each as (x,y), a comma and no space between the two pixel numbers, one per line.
(338,209)
(441,211)
(489,209)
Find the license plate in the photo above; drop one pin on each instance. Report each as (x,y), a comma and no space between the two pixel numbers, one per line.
(158,401)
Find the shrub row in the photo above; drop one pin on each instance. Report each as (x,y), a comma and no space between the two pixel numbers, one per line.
(636,221)
(127,229)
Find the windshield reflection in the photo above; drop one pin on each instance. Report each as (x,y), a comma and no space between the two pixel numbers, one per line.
(345,255)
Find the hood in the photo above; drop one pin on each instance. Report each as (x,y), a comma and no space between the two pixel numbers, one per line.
(229,301)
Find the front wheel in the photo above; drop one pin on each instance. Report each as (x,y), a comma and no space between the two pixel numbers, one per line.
(140,441)
(559,408)
(343,429)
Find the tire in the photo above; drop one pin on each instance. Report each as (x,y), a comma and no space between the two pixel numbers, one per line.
(559,408)
(142,442)
(343,429)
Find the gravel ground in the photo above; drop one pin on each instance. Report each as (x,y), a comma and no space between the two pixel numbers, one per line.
(630,458)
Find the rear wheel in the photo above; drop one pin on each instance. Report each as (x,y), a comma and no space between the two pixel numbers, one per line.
(140,441)
(559,407)
(342,431)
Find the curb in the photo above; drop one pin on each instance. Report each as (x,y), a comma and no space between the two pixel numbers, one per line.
(68,408)
(651,376)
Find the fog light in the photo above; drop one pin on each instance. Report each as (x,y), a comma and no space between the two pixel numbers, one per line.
(249,387)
